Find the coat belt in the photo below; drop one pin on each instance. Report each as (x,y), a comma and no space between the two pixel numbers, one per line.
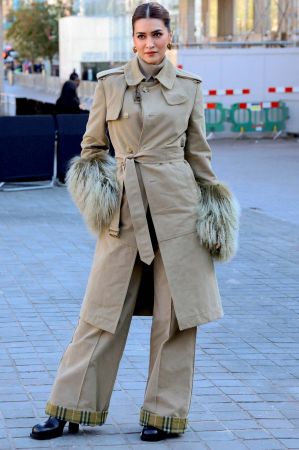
(129,179)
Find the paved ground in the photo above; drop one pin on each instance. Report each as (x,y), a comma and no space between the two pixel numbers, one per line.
(246,386)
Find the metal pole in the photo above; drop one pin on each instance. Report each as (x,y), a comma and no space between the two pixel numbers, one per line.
(1,48)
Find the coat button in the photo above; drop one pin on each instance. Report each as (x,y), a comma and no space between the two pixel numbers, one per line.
(129,149)
(145,89)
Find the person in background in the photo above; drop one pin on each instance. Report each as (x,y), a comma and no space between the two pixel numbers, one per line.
(74,75)
(68,101)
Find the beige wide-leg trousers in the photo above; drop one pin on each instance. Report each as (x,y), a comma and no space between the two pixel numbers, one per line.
(87,371)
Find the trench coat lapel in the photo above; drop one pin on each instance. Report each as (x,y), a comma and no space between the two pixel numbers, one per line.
(166,77)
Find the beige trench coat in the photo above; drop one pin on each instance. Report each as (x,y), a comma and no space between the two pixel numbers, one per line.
(171,160)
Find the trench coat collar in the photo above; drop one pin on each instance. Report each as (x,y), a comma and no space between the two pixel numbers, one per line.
(134,76)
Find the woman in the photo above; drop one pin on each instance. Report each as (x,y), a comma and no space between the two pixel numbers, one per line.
(160,214)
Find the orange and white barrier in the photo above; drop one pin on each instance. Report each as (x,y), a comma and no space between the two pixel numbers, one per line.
(285,90)
(227,91)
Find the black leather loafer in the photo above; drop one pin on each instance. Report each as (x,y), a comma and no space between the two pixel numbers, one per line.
(152,434)
(52,428)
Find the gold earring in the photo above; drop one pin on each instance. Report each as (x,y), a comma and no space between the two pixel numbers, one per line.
(169,46)
(134,49)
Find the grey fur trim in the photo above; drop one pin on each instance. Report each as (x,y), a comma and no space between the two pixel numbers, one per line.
(218,220)
(93,185)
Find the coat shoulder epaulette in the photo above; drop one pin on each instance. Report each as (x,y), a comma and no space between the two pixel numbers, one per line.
(105,73)
(191,76)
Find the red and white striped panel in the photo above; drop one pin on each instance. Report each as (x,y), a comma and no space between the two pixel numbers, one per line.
(285,90)
(258,106)
(227,91)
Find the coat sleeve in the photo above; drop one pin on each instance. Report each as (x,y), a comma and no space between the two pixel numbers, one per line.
(218,209)
(91,178)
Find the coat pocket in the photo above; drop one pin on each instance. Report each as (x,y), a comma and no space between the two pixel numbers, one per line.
(191,177)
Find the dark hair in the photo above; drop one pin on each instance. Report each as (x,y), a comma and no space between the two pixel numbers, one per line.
(74,76)
(152,10)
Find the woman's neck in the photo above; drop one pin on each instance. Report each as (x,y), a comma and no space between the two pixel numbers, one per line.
(150,70)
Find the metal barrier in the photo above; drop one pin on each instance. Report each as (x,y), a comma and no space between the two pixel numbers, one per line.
(7,105)
(259,116)
(40,82)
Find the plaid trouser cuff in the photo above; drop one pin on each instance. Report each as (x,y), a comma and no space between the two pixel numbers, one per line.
(165,423)
(76,416)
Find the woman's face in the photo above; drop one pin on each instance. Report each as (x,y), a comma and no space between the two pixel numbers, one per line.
(151,37)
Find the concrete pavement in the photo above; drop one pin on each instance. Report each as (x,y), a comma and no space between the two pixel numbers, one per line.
(246,385)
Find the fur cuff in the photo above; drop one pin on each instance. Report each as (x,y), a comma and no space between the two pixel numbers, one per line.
(218,221)
(93,185)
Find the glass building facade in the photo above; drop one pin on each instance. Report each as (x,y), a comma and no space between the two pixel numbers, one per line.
(117,8)
(203,21)
(114,7)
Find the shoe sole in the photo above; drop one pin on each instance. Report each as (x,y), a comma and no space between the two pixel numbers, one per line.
(47,435)
(157,439)
(73,428)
